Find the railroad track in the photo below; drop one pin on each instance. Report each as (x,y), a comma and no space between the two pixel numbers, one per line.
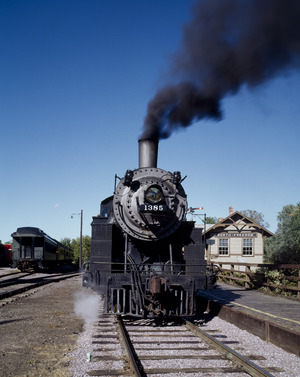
(27,281)
(9,279)
(124,347)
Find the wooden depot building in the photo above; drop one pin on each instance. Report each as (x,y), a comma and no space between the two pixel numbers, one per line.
(235,239)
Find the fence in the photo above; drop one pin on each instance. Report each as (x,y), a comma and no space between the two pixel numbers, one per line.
(284,278)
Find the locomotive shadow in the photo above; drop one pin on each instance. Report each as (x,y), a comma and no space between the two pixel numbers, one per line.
(65,268)
(210,303)
(154,322)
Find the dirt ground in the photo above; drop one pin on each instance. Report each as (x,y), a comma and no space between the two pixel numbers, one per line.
(38,332)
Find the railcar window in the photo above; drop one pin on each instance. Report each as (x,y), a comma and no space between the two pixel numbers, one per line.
(223,246)
(247,246)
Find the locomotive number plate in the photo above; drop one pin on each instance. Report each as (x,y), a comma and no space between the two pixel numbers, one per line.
(156,208)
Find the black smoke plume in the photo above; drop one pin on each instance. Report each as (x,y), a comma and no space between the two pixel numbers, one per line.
(228,44)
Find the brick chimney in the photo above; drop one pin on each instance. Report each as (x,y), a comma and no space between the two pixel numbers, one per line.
(230,210)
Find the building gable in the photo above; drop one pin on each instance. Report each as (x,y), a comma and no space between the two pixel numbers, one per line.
(235,239)
(239,223)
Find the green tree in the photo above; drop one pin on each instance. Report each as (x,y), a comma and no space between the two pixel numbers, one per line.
(255,216)
(284,247)
(86,248)
(211,220)
(66,242)
(74,245)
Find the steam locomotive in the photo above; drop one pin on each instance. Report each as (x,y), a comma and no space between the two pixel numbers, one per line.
(146,259)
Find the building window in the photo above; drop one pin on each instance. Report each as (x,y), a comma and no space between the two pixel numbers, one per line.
(247,246)
(223,246)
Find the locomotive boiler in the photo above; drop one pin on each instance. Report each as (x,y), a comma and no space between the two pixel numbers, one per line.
(146,258)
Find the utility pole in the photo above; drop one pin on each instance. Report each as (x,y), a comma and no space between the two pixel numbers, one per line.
(80,255)
(81,222)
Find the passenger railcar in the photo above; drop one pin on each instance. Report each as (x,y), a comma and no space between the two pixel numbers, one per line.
(146,259)
(32,248)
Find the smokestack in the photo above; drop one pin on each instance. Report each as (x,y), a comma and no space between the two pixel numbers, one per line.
(148,149)
(230,211)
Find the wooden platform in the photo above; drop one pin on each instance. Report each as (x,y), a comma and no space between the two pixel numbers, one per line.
(274,319)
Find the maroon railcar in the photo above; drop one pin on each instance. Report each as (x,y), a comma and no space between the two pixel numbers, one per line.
(5,255)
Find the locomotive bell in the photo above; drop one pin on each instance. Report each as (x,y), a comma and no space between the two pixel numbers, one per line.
(128,177)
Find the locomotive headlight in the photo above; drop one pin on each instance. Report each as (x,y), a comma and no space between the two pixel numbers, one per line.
(153,195)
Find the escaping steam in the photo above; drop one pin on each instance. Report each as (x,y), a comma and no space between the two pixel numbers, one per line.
(228,44)
(86,306)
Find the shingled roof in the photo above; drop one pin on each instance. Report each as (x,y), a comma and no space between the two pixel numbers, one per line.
(234,219)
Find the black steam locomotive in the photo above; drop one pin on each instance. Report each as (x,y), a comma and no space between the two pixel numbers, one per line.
(34,249)
(146,259)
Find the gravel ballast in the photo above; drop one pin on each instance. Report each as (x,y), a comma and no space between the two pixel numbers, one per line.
(243,342)
(44,334)
(38,331)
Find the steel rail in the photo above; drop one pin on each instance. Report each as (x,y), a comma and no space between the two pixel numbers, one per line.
(11,274)
(39,282)
(247,365)
(126,342)
(11,280)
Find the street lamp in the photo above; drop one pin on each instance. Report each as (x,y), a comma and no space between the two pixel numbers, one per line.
(81,218)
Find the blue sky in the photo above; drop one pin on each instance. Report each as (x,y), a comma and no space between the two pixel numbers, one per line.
(75,80)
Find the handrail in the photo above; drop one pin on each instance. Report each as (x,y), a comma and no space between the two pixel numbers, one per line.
(248,274)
